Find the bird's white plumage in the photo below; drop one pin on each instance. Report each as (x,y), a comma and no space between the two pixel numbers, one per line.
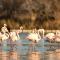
(51,36)
(57,37)
(4,36)
(14,36)
(33,37)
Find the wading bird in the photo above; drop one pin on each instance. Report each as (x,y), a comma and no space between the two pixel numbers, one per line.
(35,38)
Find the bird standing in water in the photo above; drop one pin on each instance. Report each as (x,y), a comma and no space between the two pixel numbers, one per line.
(35,38)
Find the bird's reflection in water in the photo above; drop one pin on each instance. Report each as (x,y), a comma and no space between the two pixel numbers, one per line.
(3,55)
(9,56)
(57,54)
(52,55)
(34,56)
(14,55)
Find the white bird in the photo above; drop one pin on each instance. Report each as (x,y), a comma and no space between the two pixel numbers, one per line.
(14,36)
(35,38)
(41,31)
(4,33)
(50,36)
(4,29)
(4,36)
(57,37)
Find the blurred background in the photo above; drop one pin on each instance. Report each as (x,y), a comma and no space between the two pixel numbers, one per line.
(30,13)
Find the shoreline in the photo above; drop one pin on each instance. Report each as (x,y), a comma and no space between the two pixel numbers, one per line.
(29,31)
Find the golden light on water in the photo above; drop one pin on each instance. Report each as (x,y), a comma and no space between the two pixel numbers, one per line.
(34,56)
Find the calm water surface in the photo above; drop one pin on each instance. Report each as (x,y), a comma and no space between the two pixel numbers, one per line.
(21,51)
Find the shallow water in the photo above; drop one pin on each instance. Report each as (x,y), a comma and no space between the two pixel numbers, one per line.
(22,51)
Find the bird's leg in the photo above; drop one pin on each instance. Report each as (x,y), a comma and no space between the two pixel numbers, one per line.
(34,46)
(50,43)
(30,48)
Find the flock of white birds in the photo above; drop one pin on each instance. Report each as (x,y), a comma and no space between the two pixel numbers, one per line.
(33,36)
